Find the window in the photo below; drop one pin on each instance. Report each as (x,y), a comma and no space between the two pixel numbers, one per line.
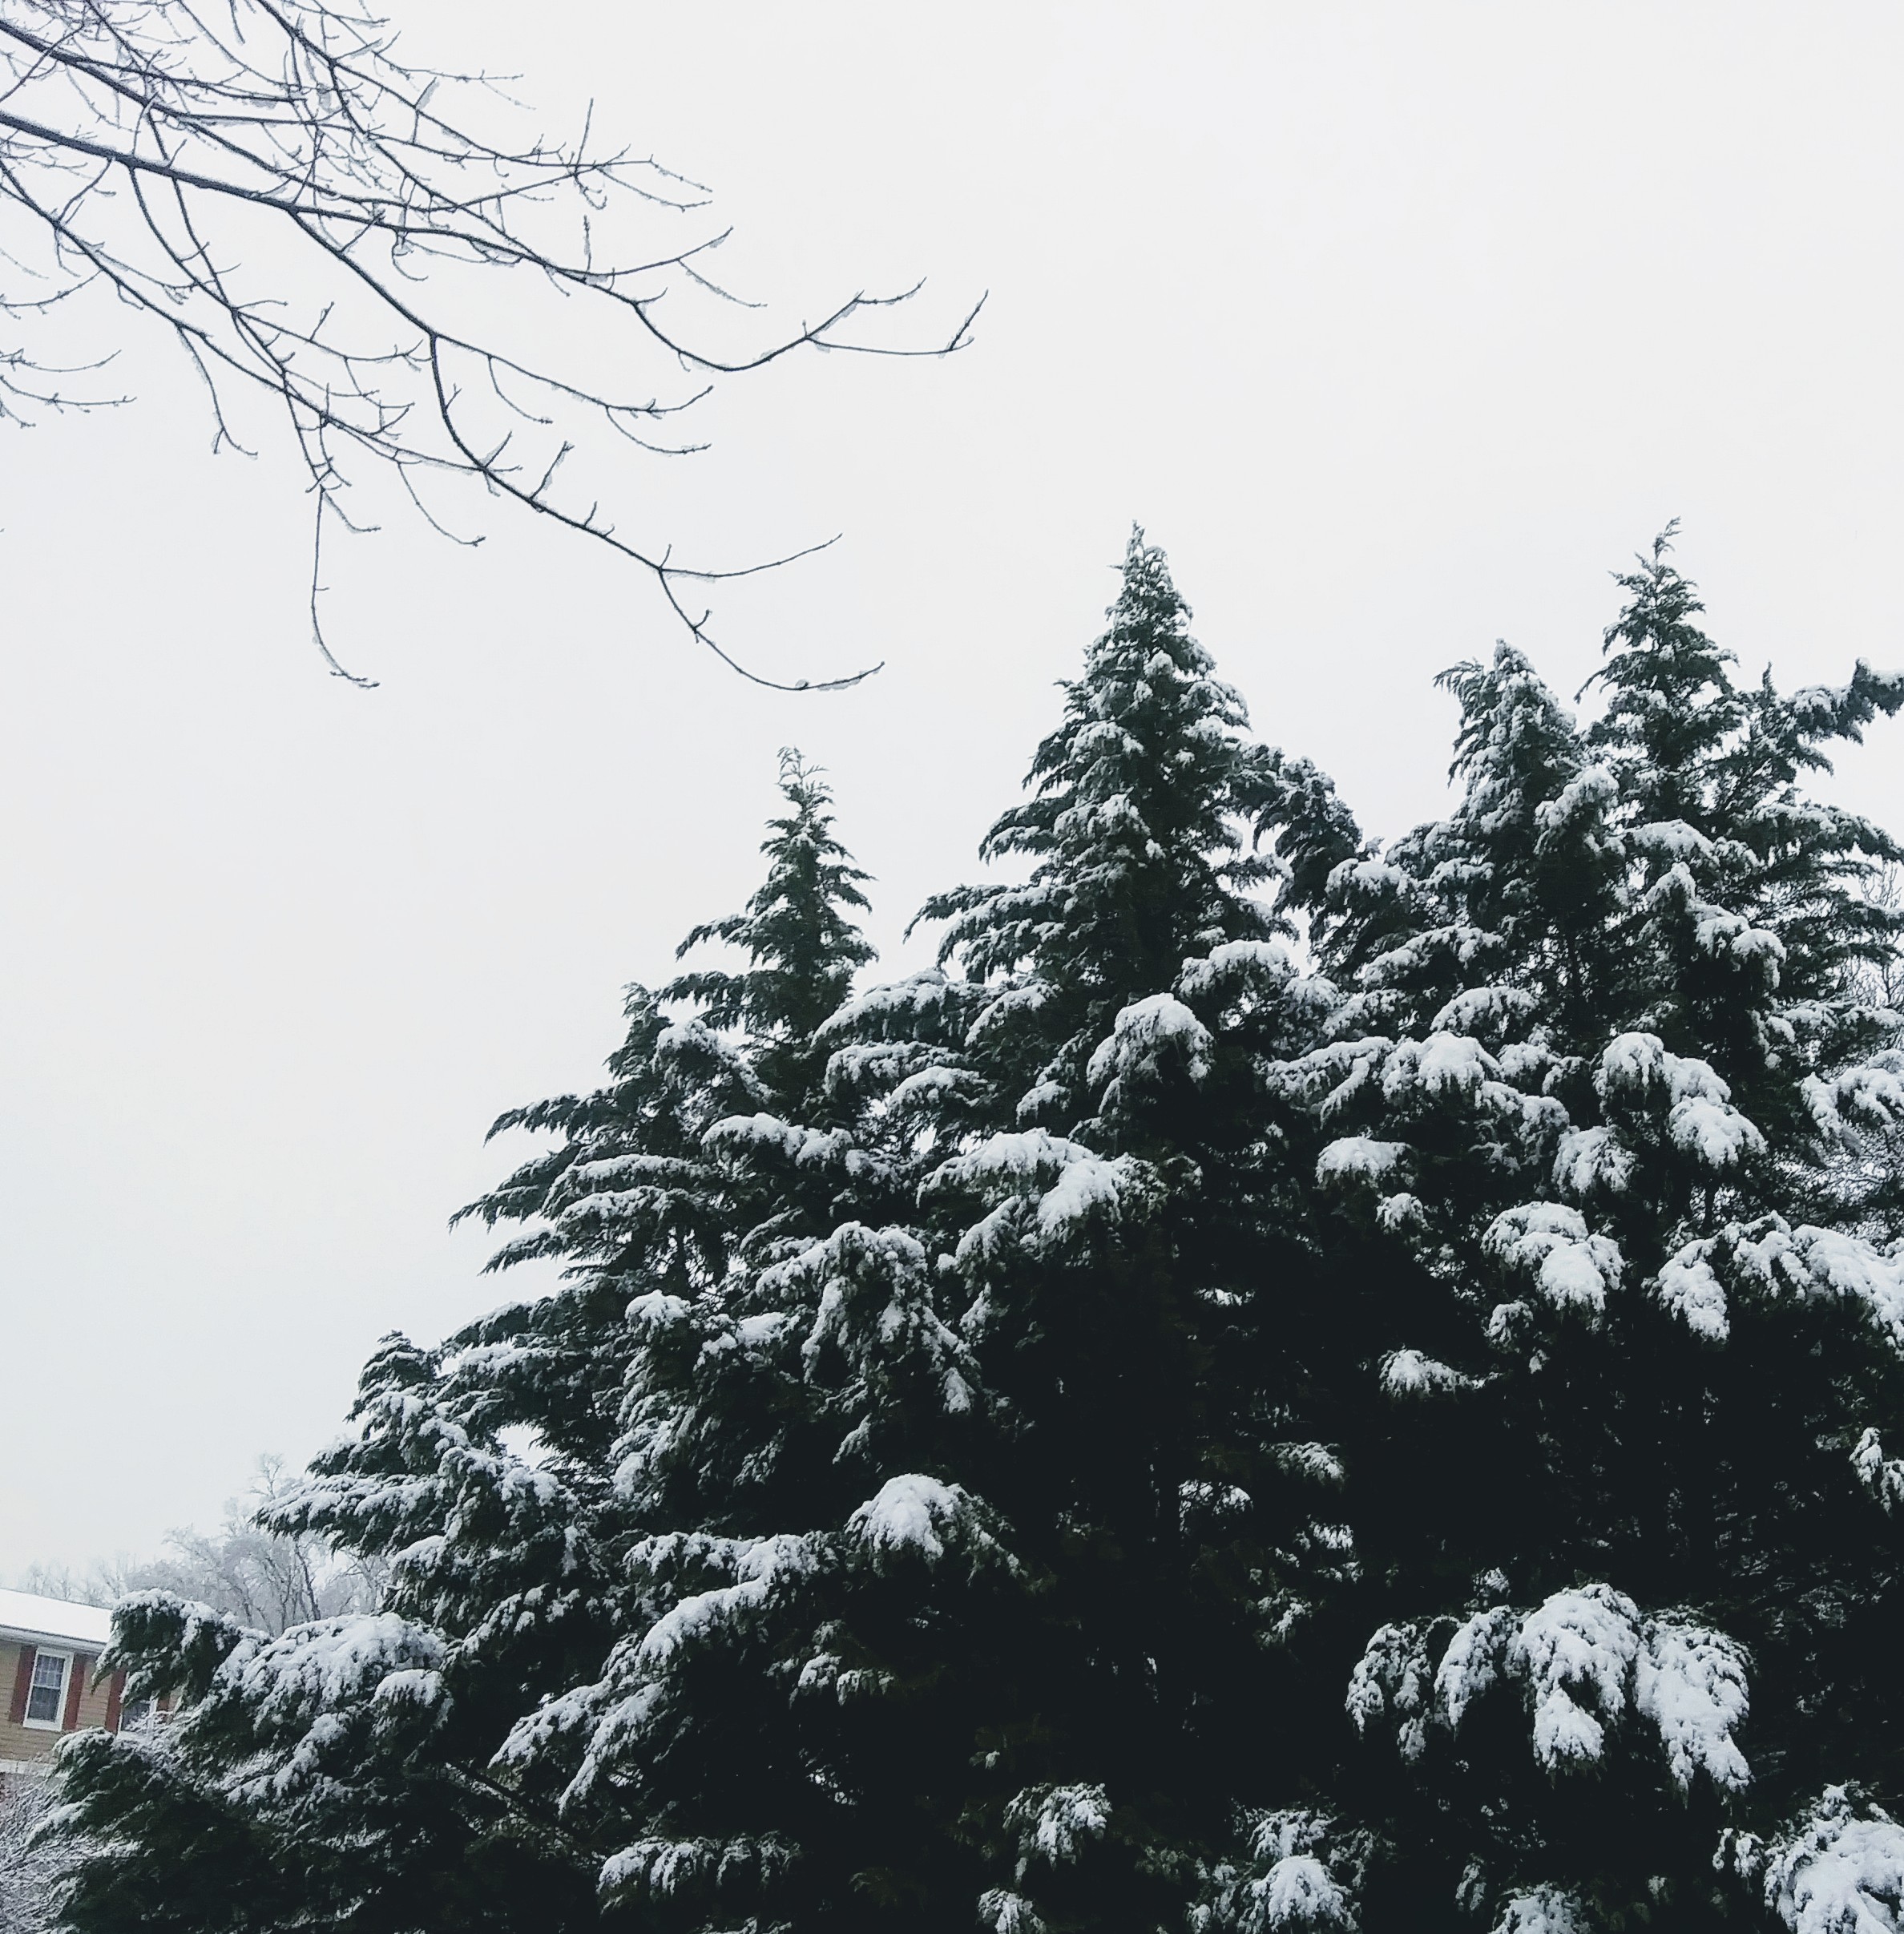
(47,1696)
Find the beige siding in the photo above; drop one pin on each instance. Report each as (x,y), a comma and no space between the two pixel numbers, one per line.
(30,1742)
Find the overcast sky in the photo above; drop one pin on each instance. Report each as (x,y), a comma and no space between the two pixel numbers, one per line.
(1399,326)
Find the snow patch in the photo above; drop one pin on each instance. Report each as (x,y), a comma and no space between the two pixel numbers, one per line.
(1636,1071)
(1055,1823)
(1581,1640)
(314,1668)
(1832,1873)
(1146,1036)
(1714,1131)
(904,1003)
(1444,1066)
(909,1514)
(1687,1288)
(1869,1095)
(1573,1269)
(1772,1259)
(1005,1913)
(1316,1462)
(1584,1659)
(1391,1681)
(1299,1892)
(1670,839)
(1359,1158)
(1691,1683)
(1256,966)
(1493,1008)
(1591,1161)
(1586,794)
(1473,1661)
(1547,1910)
(759,1564)
(1075,1186)
(1408,1373)
(1882,1476)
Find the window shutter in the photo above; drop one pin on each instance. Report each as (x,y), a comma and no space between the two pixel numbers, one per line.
(115,1698)
(23,1683)
(75,1684)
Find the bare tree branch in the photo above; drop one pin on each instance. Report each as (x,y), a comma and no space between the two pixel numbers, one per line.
(29,1867)
(150,148)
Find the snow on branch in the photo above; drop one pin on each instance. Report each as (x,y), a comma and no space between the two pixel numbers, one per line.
(1638,1078)
(1831,1872)
(1052,1191)
(1546,1910)
(1768,1260)
(1551,1244)
(1586,1661)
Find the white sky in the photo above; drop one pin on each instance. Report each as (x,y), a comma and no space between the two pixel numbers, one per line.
(1398,326)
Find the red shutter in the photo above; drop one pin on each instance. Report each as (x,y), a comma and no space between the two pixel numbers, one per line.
(75,1684)
(115,1695)
(23,1683)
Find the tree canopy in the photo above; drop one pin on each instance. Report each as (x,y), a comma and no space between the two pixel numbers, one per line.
(1286,1383)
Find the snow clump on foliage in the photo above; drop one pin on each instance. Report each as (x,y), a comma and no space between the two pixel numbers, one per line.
(1055,1824)
(1583,1659)
(1832,1873)
(1550,1242)
(1408,1373)
(912,1512)
(1150,1034)
(1547,1910)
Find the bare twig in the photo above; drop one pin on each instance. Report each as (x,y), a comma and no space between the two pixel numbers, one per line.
(143,142)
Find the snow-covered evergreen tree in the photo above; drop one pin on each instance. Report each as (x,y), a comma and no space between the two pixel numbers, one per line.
(801,945)
(341,1775)
(1603,1136)
(1132,824)
(1130,1234)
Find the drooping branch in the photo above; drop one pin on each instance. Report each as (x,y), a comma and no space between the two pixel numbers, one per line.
(148,148)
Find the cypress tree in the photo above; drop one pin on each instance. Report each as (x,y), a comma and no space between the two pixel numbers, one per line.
(1142,1291)
(343,1775)
(1630,1507)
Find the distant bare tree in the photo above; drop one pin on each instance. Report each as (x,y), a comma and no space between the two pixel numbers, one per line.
(1883,983)
(265,1579)
(151,147)
(28,1870)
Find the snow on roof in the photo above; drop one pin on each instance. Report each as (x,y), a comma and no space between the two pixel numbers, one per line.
(26,1615)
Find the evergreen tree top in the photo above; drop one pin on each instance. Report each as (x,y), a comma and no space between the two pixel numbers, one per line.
(630,1185)
(1692,746)
(1140,772)
(801,947)
(1673,701)
(1137,821)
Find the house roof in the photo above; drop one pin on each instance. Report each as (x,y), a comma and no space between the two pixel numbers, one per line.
(53,1621)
